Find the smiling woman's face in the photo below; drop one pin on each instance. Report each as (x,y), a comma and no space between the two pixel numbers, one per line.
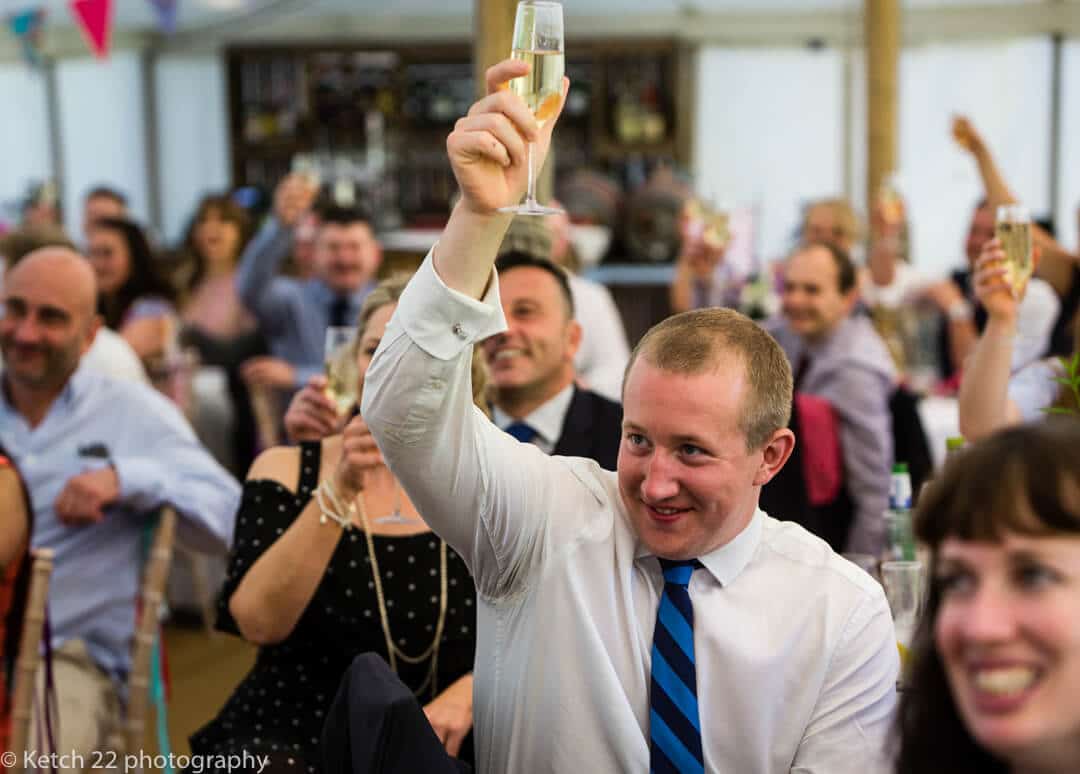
(1008,632)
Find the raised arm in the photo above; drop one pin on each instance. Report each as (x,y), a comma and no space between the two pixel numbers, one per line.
(263,256)
(1057,262)
(477,487)
(984,402)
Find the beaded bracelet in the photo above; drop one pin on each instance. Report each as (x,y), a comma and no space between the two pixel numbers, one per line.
(325,513)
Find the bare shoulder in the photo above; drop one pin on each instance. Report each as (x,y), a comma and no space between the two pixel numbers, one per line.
(280,464)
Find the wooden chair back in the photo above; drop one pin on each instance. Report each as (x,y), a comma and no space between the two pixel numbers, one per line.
(151,597)
(28,659)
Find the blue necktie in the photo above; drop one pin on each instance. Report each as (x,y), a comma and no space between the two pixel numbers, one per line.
(674,727)
(521,431)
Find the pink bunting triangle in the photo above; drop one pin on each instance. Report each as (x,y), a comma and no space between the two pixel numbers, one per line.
(95,21)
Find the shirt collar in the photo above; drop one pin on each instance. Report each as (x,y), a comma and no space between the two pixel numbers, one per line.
(726,562)
(547,420)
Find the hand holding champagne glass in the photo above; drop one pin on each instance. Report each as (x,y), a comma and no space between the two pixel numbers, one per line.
(342,376)
(538,41)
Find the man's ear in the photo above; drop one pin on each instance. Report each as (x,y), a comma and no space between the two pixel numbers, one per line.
(92,328)
(775,453)
(573,338)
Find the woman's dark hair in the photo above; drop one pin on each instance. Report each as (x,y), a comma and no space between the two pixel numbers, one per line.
(1023,480)
(17,610)
(191,264)
(144,279)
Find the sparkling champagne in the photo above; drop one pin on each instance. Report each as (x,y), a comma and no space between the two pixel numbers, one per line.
(341,385)
(1015,238)
(542,87)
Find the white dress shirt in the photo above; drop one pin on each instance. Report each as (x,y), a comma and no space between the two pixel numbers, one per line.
(795,649)
(547,420)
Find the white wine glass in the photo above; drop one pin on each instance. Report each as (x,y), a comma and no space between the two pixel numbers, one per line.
(538,41)
(342,375)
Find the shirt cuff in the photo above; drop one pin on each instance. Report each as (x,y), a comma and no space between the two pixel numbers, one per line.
(442,321)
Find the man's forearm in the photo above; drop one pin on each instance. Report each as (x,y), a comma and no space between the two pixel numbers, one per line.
(467,249)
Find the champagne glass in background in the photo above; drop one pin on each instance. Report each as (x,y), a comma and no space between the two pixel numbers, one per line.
(1013,231)
(903,589)
(342,377)
(538,41)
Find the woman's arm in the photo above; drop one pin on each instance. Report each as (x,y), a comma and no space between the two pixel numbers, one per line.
(1056,264)
(984,389)
(14,519)
(274,593)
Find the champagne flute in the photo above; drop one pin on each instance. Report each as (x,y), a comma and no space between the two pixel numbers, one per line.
(1013,231)
(342,376)
(538,41)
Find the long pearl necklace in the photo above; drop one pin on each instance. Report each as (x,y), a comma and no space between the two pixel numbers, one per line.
(393,651)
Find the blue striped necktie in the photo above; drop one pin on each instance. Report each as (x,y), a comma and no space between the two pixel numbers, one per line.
(523,432)
(674,726)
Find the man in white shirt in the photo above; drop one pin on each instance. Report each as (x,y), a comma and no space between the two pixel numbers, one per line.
(590,583)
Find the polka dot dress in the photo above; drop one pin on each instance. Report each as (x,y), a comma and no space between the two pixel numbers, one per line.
(280,707)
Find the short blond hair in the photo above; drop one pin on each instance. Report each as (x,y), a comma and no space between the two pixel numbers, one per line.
(696,342)
(389,291)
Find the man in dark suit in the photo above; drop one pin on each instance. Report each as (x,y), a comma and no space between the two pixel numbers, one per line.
(531,366)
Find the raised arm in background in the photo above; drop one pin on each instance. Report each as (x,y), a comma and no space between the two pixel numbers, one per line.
(984,401)
(1056,266)
(263,256)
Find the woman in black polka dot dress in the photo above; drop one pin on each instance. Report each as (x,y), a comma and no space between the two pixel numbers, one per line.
(306,591)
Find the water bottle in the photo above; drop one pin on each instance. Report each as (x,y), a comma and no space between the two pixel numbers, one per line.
(901,544)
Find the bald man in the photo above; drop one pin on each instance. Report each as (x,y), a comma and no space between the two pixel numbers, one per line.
(100,457)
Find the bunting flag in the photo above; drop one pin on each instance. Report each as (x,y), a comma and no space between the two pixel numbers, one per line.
(166,15)
(95,21)
(27,28)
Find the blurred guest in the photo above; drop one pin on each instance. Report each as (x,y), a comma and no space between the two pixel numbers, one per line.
(133,298)
(309,517)
(219,328)
(102,202)
(210,252)
(838,356)
(110,354)
(15,528)
(601,357)
(292,313)
(994,675)
(989,397)
(99,457)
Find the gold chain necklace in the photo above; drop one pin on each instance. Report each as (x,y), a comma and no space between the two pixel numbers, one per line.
(392,650)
